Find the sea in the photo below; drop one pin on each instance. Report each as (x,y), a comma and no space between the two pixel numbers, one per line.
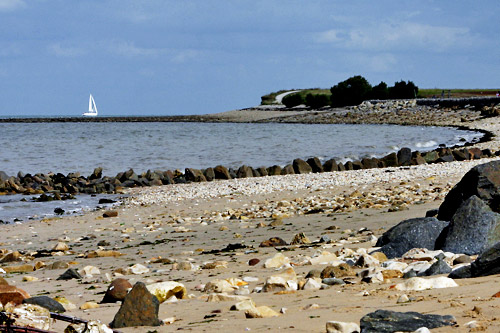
(116,147)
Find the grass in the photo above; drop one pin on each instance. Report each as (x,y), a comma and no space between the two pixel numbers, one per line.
(270,98)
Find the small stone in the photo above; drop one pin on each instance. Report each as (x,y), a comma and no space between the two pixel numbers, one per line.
(28,278)
(12,294)
(117,291)
(18,269)
(167,289)
(312,284)
(277,261)
(417,283)
(110,213)
(45,302)
(341,327)
(253,262)
(403,299)
(70,274)
(11,256)
(92,326)
(61,246)
(68,306)
(219,286)
(261,312)
(137,269)
(273,242)
(184,266)
(89,305)
(299,239)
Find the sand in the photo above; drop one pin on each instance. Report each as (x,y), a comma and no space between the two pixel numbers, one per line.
(182,221)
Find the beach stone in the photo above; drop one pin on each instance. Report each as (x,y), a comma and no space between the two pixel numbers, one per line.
(224,297)
(261,312)
(61,246)
(431,156)
(330,165)
(18,268)
(219,286)
(58,265)
(262,171)
(277,261)
(417,283)
(404,156)
(244,171)
(312,284)
(92,326)
(483,181)
(408,234)
(89,305)
(338,271)
(300,238)
(285,281)
(439,267)
(209,174)
(11,257)
(12,294)
(341,327)
(33,316)
(473,228)
(139,308)
(137,269)
(287,170)
(3,282)
(314,273)
(315,164)
(89,271)
(96,174)
(369,163)
(242,305)
(69,274)
(46,302)
(103,253)
(117,290)
(462,259)
(194,175)
(253,262)
(357,165)
(366,260)
(390,160)
(273,242)
(274,170)
(110,213)
(391,321)
(487,263)
(167,289)
(68,306)
(380,256)
(463,272)
(301,167)
(333,281)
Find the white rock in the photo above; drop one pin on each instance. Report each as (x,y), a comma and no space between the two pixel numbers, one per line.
(32,315)
(250,279)
(423,330)
(417,283)
(341,327)
(219,286)
(89,271)
(93,326)
(396,265)
(277,261)
(223,297)
(167,289)
(312,284)
(137,269)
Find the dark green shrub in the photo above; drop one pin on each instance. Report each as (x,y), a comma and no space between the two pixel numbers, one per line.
(380,91)
(293,100)
(403,90)
(316,101)
(352,91)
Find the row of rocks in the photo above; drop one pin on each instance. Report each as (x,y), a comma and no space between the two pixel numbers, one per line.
(57,186)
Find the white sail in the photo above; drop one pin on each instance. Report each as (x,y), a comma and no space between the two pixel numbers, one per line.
(92,108)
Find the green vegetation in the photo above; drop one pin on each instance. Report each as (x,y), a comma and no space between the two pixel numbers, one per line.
(456,93)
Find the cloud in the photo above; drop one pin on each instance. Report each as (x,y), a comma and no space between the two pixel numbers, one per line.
(129,49)
(10,5)
(65,51)
(397,37)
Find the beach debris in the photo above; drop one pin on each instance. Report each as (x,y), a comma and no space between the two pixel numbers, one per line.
(342,327)
(117,290)
(103,253)
(277,261)
(45,302)
(12,294)
(29,315)
(300,239)
(273,242)
(92,326)
(164,290)
(139,308)
(392,321)
(417,283)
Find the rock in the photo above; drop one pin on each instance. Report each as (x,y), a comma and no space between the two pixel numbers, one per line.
(332,281)
(324,257)
(224,297)
(409,234)
(483,181)
(439,267)
(300,238)
(462,272)
(45,302)
(110,213)
(3,282)
(12,294)
(342,327)
(139,308)
(273,242)
(300,166)
(487,263)
(330,165)
(261,312)
(274,170)
(277,261)
(253,261)
(369,163)
(69,274)
(391,321)
(89,271)
(194,175)
(221,172)
(285,281)
(92,326)
(243,305)
(338,271)
(366,260)
(96,174)
(117,291)
(462,259)
(167,289)
(431,156)
(312,284)
(287,170)
(58,265)
(89,305)
(404,156)
(18,268)
(68,306)
(209,174)
(219,286)
(244,171)
(137,269)
(103,253)
(11,256)
(380,256)
(61,246)
(31,315)
(417,283)
(315,164)
(472,229)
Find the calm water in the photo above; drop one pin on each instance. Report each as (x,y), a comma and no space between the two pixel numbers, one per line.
(71,147)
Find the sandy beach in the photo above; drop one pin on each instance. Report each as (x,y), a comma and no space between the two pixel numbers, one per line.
(174,231)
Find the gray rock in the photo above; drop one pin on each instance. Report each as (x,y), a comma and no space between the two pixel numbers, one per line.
(488,262)
(274,170)
(244,171)
(390,321)
(315,164)
(404,156)
(439,267)
(463,272)
(45,302)
(70,274)
(300,166)
(333,281)
(221,172)
(473,228)
(413,233)
(330,165)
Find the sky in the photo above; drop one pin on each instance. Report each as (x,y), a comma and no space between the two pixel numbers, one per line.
(172,57)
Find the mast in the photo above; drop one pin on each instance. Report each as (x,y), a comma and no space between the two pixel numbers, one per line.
(90,102)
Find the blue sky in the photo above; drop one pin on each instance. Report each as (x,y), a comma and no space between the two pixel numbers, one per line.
(163,57)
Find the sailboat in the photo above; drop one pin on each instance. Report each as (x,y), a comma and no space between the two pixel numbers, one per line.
(92,108)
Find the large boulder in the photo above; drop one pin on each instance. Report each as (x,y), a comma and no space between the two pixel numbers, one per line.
(391,321)
(194,175)
(315,164)
(473,228)
(419,232)
(488,262)
(483,181)
(300,166)
(244,172)
(139,308)
(330,165)
(221,172)
(404,156)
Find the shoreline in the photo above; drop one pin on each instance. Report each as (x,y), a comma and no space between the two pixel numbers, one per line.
(177,232)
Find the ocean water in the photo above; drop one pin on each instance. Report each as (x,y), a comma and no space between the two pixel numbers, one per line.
(116,147)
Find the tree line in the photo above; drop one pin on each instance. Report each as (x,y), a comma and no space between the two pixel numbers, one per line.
(353,91)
